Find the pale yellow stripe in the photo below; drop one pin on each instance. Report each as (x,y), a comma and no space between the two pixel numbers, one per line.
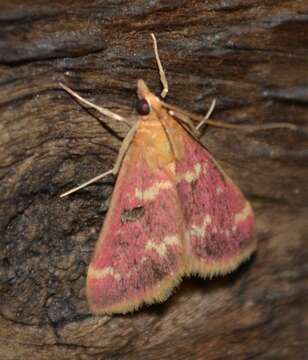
(101,273)
(162,247)
(151,192)
(199,231)
(244,214)
(190,176)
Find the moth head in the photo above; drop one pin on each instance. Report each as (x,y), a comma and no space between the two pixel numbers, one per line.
(147,101)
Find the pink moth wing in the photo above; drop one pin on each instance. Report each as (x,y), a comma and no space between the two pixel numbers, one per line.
(139,256)
(173,213)
(219,221)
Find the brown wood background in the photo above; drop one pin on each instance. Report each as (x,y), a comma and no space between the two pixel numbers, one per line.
(252,56)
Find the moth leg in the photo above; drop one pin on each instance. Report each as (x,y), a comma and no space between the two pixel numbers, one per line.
(181,114)
(91,181)
(100,109)
(207,116)
(125,144)
(162,75)
(185,120)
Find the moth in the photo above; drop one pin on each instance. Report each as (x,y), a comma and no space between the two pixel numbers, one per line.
(173,212)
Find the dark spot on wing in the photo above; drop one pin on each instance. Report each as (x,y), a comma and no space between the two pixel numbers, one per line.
(132,214)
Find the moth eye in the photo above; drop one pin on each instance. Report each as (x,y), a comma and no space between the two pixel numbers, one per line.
(143,107)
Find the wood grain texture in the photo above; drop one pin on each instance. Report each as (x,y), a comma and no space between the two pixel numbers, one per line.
(252,56)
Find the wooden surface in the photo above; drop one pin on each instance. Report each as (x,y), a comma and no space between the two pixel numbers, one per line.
(252,56)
